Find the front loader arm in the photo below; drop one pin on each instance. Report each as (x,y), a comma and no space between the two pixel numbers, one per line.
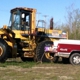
(8,36)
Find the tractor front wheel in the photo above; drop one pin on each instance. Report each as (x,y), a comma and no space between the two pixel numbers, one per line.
(3,50)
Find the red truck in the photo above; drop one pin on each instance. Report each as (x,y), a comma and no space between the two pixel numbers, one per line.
(67,49)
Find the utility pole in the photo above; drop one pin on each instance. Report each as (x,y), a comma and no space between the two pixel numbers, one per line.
(45,16)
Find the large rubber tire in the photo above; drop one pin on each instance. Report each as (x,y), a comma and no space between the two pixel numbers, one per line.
(75,59)
(3,50)
(40,51)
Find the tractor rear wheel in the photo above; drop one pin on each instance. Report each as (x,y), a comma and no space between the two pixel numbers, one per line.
(3,50)
(41,55)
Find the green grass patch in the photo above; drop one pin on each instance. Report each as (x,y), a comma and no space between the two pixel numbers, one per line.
(21,64)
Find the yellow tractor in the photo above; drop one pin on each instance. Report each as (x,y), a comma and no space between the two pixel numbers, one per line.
(24,39)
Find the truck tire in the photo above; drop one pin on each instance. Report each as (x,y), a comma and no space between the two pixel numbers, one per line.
(75,59)
(3,50)
(40,53)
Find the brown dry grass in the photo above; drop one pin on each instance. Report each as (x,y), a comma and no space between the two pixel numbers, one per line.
(17,70)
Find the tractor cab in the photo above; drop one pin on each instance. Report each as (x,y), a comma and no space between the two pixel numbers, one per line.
(22,19)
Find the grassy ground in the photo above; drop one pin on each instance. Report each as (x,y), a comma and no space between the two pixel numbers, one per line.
(18,70)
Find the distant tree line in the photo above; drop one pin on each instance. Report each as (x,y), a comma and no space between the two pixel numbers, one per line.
(72,25)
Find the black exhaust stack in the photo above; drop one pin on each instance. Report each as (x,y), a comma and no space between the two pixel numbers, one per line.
(51,23)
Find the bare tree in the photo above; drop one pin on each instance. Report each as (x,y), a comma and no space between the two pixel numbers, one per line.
(73,23)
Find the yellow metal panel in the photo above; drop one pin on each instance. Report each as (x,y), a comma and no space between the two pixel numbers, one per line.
(10,43)
(18,34)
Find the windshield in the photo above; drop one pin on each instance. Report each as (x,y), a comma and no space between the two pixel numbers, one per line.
(17,21)
(20,20)
(14,22)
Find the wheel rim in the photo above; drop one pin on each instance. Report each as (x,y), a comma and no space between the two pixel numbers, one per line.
(76,59)
(49,56)
(1,51)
